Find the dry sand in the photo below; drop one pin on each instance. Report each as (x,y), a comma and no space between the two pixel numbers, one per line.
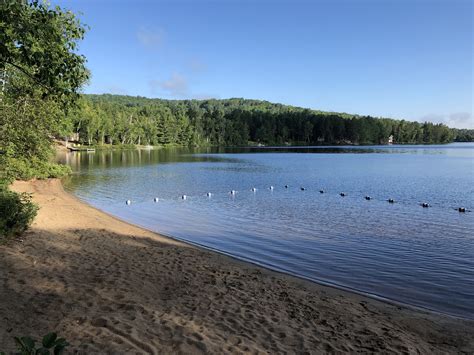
(110,287)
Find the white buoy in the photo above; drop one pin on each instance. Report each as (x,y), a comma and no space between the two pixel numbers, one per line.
(128,202)
(156,199)
(254,189)
(209,194)
(232,192)
(184,197)
(271,188)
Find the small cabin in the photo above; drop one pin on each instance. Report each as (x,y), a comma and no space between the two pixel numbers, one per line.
(390,139)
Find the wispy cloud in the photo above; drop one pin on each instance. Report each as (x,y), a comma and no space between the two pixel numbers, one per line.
(116,89)
(151,38)
(204,97)
(196,65)
(176,85)
(456,120)
(461,119)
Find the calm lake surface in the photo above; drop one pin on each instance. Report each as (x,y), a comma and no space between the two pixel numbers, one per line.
(401,251)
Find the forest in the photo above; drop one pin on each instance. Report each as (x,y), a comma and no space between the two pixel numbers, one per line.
(119,120)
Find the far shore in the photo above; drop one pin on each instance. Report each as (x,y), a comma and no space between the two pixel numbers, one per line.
(111,287)
(60,146)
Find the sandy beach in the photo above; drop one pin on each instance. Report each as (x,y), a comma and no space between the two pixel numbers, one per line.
(109,287)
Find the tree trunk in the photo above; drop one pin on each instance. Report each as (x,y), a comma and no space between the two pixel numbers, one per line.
(4,80)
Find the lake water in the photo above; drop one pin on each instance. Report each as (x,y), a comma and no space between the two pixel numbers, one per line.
(400,251)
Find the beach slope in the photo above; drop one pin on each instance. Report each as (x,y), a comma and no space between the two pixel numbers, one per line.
(110,287)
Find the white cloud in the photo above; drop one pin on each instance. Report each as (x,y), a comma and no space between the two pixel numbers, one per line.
(454,120)
(204,97)
(461,120)
(176,85)
(151,38)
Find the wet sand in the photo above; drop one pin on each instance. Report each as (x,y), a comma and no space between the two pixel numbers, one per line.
(110,287)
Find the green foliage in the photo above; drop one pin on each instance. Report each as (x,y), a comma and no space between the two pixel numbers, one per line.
(26,169)
(27,126)
(464,135)
(17,211)
(113,119)
(50,344)
(41,75)
(39,44)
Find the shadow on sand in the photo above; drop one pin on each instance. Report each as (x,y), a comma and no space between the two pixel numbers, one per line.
(110,293)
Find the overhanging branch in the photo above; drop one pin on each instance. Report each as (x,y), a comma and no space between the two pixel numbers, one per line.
(29,75)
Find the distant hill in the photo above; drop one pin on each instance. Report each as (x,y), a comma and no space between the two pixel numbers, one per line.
(118,119)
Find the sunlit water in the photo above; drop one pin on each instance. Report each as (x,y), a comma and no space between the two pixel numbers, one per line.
(401,251)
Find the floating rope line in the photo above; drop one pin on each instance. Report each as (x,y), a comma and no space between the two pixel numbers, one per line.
(233,193)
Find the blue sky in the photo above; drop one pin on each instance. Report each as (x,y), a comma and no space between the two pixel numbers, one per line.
(408,59)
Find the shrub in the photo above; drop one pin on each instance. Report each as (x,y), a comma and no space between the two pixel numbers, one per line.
(50,344)
(26,169)
(17,211)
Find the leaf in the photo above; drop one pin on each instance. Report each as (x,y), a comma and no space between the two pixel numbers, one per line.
(58,349)
(19,343)
(28,343)
(42,351)
(49,340)
(61,341)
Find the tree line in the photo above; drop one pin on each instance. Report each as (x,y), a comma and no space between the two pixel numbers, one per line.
(117,119)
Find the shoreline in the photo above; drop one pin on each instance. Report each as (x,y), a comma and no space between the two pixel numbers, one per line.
(78,269)
(283,272)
